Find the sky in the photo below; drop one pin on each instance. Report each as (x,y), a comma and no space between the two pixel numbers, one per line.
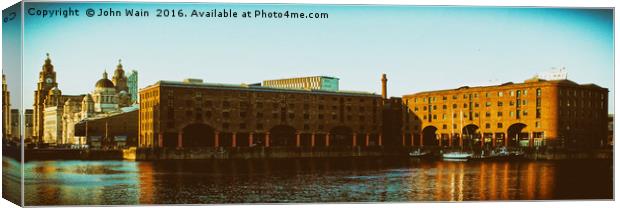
(420,48)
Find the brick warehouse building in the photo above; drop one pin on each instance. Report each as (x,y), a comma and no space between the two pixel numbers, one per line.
(536,112)
(196,114)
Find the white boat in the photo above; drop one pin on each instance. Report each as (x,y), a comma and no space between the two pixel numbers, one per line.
(457,155)
(419,153)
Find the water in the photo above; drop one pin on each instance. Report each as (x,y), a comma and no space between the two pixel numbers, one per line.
(312,180)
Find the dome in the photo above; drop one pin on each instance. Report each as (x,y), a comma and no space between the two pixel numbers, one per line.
(104,83)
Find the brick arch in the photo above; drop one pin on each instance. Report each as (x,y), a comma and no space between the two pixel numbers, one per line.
(341,136)
(282,135)
(429,135)
(198,135)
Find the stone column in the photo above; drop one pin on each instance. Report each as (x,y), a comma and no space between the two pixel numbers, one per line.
(354,139)
(494,139)
(234,139)
(440,138)
(482,140)
(404,135)
(180,140)
(298,139)
(217,139)
(531,139)
(461,140)
(506,139)
(380,139)
(412,139)
(327,139)
(251,139)
(267,142)
(450,140)
(312,139)
(367,139)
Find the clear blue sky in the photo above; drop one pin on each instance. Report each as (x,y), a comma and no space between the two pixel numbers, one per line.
(420,48)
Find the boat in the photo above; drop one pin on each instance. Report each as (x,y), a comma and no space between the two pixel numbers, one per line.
(419,153)
(457,155)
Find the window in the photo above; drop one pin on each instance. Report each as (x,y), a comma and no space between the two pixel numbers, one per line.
(500,94)
(487,114)
(538,92)
(538,114)
(487,104)
(445,107)
(487,125)
(454,106)
(512,93)
(444,126)
(499,114)
(500,125)
(500,103)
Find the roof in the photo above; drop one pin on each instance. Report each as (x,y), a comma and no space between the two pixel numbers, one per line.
(291,78)
(104,83)
(255,88)
(529,82)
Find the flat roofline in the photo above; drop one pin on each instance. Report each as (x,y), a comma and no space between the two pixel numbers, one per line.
(248,87)
(330,77)
(541,82)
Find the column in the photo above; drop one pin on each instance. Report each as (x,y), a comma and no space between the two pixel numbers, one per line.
(412,139)
(421,140)
(531,139)
(251,139)
(461,140)
(327,140)
(234,139)
(367,139)
(267,139)
(482,140)
(160,140)
(506,139)
(380,139)
(217,139)
(404,135)
(439,137)
(312,139)
(450,140)
(298,139)
(180,140)
(494,139)
(354,139)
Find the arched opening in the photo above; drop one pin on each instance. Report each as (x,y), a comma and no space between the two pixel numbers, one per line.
(470,135)
(198,135)
(515,134)
(282,135)
(429,136)
(341,136)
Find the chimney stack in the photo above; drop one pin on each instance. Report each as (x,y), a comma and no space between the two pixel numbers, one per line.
(384,86)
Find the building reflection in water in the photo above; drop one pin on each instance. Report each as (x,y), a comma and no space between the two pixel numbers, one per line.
(300,181)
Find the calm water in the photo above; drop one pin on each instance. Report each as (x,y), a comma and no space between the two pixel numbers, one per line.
(311,180)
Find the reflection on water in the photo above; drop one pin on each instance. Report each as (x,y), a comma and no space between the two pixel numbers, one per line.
(310,180)
(11,187)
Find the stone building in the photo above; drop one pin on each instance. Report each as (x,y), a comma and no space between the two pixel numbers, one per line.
(15,125)
(55,114)
(536,112)
(314,83)
(196,114)
(28,119)
(6,109)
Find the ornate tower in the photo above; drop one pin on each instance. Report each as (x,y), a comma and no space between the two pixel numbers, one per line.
(384,86)
(119,79)
(47,81)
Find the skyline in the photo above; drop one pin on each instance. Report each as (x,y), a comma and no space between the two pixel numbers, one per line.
(411,46)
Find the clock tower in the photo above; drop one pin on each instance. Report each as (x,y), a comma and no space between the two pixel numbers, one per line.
(47,81)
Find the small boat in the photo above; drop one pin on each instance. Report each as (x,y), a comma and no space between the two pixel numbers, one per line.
(457,155)
(419,153)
